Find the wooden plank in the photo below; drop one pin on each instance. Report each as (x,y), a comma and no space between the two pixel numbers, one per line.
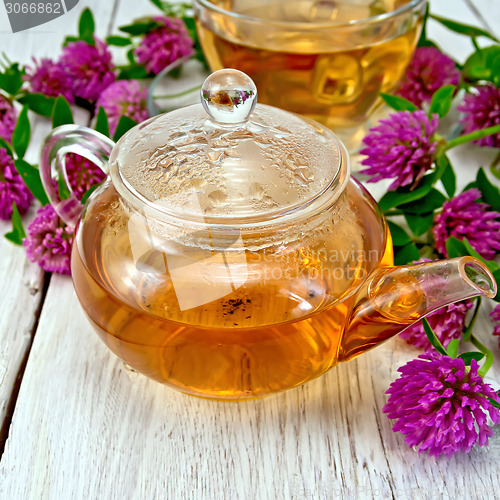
(23,281)
(87,427)
(22,285)
(23,291)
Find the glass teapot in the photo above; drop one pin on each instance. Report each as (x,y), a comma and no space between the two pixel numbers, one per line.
(229,255)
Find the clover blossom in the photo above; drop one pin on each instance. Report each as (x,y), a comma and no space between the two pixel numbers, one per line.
(90,68)
(8,118)
(428,71)
(464,217)
(164,44)
(124,98)
(49,241)
(442,406)
(49,78)
(481,109)
(12,188)
(401,147)
(447,323)
(82,174)
(495,317)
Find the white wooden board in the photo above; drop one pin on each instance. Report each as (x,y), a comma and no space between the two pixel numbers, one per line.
(85,426)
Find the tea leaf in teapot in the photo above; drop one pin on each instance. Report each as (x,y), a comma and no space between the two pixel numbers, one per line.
(17,234)
(61,114)
(124,125)
(22,133)
(398,234)
(31,177)
(406,254)
(39,103)
(398,103)
(102,124)
(436,343)
(86,27)
(489,192)
(441,101)
(469,356)
(419,223)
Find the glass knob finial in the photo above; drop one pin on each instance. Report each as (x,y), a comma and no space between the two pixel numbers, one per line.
(228,96)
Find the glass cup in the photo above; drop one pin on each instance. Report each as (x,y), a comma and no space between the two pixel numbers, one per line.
(328,60)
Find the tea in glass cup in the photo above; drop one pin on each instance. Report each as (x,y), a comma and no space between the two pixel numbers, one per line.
(324,59)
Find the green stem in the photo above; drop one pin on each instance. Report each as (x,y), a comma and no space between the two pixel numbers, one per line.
(470,326)
(473,136)
(475,342)
(179,94)
(489,356)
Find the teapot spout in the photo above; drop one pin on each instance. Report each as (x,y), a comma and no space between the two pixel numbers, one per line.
(396,297)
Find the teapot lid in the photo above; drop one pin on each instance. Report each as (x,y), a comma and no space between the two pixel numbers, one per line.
(229,158)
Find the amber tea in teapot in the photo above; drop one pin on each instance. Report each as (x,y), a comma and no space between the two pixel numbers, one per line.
(229,254)
(273,332)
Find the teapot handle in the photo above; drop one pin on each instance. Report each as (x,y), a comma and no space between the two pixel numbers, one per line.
(62,140)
